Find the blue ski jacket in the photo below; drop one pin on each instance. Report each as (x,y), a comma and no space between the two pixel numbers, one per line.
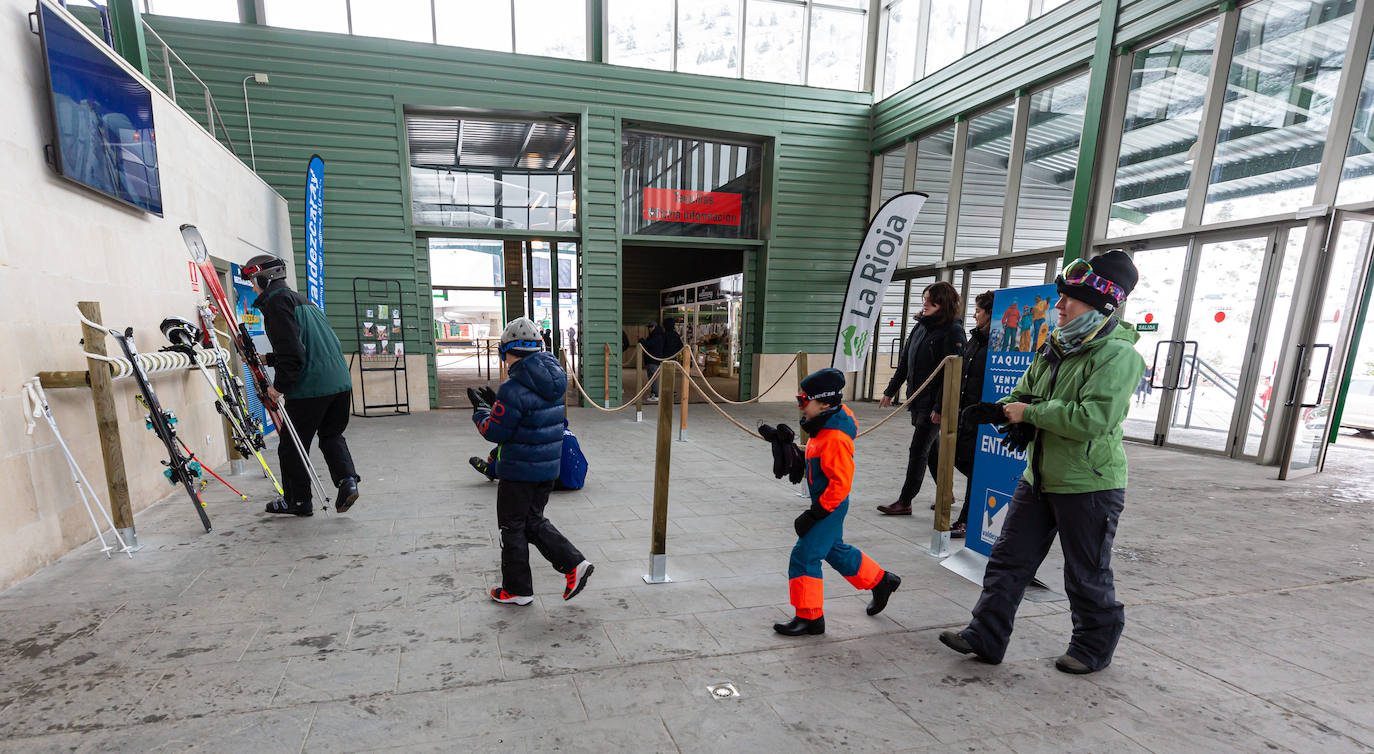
(527,420)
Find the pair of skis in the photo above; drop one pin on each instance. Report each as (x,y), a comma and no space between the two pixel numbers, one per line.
(243,343)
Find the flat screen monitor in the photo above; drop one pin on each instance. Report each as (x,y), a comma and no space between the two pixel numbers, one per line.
(102,116)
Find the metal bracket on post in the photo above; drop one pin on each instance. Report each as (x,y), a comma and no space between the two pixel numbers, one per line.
(939,544)
(658,569)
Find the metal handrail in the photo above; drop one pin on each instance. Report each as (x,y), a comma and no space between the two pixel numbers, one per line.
(212,112)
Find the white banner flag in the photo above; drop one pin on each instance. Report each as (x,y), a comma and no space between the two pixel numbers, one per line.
(879,255)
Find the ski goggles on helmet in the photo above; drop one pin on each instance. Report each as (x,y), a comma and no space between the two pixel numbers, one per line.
(803,398)
(1080,272)
(266,268)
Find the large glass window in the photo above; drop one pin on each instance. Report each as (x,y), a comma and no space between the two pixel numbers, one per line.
(998,17)
(1357,177)
(641,33)
(1279,95)
(836,51)
(899,49)
(1054,128)
(948,33)
(319,15)
(556,28)
(209,10)
(1160,133)
(708,37)
(679,186)
(774,31)
(893,169)
(934,163)
(483,26)
(984,191)
(393,19)
(492,174)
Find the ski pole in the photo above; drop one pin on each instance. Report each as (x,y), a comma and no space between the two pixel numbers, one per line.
(300,450)
(203,467)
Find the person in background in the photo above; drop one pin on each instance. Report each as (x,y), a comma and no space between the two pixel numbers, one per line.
(1011,319)
(938,333)
(971,392)
(661,343)
(1039,311)
(1067,412)
(1026,346)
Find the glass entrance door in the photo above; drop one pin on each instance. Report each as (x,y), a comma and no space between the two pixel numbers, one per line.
(1320,355)
(1153,309)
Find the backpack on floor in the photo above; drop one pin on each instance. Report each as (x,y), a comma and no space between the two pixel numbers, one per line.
(572,473)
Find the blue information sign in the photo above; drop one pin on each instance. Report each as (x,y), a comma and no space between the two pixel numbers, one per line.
(1022,319)
(314,232)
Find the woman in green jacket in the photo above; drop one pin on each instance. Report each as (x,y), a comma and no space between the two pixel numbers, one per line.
(1068,408)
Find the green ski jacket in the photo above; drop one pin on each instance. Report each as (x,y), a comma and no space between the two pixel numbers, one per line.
(1081,406)
(305,351)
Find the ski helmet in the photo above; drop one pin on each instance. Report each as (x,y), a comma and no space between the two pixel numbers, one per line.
(180,332)
(521,335)
(263,269)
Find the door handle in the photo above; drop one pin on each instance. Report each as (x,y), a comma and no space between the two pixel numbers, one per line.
(1183,359)
(896,354)
(1297,379)
(1156,377)
(1326,370)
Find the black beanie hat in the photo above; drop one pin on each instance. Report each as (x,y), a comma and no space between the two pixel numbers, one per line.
(1115,266)
(824,385)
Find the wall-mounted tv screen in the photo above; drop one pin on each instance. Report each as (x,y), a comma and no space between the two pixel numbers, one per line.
(102,116)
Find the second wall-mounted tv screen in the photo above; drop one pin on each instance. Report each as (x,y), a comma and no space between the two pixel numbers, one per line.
(102,116)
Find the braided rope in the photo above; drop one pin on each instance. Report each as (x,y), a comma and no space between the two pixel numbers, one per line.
(649,383)
(756,398)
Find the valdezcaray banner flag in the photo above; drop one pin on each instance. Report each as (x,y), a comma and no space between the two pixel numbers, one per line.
(314,232)
(1022,320)
(879,254)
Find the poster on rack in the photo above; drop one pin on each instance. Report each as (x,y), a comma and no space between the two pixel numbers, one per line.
(1022,320)
(882,252)
(314,231)
(244,297)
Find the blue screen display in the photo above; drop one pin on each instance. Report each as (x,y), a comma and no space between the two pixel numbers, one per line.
(103,118)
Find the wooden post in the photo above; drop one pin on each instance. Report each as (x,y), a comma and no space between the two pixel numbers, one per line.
(802,371)
(639,372)
(107,423)
(686,390)
(663,453)
(606,375)
(949,438)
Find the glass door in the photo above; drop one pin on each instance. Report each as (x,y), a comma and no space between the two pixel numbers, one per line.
(1153,309)
(1321,351)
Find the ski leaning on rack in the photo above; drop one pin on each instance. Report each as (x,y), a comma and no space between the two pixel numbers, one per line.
(181,468)
(243,343)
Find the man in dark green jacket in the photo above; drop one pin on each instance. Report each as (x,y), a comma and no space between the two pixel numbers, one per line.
(314,378)
(1068,407)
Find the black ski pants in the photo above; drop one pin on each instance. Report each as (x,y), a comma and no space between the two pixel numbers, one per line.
(520,515)
(326,416)
(1086,524)
(921,456)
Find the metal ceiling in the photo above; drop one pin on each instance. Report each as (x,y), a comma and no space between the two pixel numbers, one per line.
(452,142)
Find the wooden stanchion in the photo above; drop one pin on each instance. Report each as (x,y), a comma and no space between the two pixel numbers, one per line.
(686,391)
(107,423)
(663,452)
(949,438)
(639,372)
(802,371)
(606,375)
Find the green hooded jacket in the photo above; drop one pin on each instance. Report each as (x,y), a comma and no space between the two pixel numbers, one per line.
(1079,419)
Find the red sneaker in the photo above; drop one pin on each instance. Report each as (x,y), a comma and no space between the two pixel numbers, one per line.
(501,595)
(578,579)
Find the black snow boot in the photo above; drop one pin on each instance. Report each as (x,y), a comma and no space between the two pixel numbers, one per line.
(882,590)
(799,626)
(348,495)
(289,509)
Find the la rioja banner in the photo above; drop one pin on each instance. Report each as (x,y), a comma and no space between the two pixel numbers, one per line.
(879,254)
(314,232)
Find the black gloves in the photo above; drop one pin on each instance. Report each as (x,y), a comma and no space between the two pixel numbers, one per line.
(478,398)
(984,413)
(809,518)
(488,395)
(1018,437)
(788,459)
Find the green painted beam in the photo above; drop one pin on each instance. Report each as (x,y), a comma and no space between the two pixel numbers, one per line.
(248,12)
(1099,76)
(596,28)
(126,26)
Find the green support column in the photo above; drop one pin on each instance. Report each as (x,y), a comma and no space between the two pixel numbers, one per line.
(1086,175)
(1343,389)
(248,12)
(126,26)
(596,26)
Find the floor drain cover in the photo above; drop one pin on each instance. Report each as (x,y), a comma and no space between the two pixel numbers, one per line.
(723,691)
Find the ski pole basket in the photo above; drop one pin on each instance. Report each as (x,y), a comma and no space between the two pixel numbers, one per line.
(379,328)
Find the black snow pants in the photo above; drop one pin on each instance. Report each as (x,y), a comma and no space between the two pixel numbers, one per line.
(520,515)
(326,415)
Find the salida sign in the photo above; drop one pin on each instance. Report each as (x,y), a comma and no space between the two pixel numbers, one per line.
(709,207)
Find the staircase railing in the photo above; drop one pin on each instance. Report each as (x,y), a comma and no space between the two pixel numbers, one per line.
(168,85)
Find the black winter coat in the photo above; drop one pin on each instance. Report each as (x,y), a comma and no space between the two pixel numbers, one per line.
(921,355)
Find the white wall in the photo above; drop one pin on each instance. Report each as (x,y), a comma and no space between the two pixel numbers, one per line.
(59,244)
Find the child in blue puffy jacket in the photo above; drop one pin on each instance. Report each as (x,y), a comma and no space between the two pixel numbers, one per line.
(526,421)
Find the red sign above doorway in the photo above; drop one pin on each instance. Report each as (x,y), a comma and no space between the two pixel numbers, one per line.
(709,207)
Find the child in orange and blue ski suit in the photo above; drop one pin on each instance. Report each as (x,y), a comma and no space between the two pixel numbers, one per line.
(820,529)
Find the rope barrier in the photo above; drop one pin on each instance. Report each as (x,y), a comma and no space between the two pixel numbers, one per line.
(152,362)
(592,402)
(756,398)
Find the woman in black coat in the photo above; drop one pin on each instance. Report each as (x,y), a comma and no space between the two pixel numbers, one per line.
(939,333)
(971,392)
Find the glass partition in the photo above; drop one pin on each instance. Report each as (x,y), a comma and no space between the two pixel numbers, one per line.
(984,191)
(1280,91)
(1055,126)
(899,47)
(947,33)
(641,33)
(708,37)
(393,19)
(934,161)
(1357,176)
(836,49)
(774,33)
(486,26)
(680,186)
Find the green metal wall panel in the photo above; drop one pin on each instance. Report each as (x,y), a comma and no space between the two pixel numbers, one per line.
(339,96)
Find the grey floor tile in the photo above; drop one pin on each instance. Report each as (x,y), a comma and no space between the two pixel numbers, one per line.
(339,675)
(639,690)
(851,718)
(650,639)
(212,690)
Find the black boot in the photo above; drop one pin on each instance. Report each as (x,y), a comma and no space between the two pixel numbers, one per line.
(348,495)
(882,591)
(800,626)
(289,509)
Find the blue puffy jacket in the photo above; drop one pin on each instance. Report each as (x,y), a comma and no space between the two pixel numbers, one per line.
(527,420)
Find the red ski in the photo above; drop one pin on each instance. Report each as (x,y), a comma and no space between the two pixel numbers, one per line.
(243,343)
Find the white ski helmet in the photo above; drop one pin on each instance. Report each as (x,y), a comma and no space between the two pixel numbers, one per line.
(521,335)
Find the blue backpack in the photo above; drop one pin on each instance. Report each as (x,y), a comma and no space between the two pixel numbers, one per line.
(572,474)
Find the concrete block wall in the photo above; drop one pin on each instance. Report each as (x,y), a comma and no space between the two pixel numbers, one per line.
(59,244)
